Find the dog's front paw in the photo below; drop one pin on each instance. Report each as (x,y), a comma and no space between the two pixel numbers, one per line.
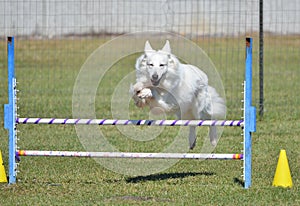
(139,94)
(144,93)
(137,87)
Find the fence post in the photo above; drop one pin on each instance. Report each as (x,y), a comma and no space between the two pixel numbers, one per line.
(261,58)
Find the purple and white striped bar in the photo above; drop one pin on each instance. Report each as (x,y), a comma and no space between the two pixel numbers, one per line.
(130,122)
(129,155)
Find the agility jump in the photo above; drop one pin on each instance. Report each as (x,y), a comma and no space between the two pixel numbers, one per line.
(248,124)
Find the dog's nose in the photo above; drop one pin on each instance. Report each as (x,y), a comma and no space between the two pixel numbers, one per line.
(154,76)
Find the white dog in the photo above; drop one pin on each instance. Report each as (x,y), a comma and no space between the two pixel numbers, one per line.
(168,86)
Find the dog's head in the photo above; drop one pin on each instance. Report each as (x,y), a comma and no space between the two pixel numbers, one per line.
(157,63)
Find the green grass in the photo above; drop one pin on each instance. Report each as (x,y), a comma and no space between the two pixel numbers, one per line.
(46,72)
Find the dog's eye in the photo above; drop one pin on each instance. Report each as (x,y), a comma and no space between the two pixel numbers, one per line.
(162,65)
(150,65)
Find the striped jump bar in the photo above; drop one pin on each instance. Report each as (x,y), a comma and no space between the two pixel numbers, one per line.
(129,155)
(130,122)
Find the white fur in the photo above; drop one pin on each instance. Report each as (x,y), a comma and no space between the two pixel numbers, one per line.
(166,85)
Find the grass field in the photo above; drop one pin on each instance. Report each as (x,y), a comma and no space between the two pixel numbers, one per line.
(46,72)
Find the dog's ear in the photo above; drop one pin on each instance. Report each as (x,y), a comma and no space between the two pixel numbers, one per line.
(167,47)
(147,47)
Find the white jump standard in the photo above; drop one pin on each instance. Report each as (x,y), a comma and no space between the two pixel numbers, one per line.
(248,124)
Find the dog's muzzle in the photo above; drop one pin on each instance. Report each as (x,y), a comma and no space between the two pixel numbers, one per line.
(155,80)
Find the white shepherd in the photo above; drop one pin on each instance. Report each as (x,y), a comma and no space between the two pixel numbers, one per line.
(168,86)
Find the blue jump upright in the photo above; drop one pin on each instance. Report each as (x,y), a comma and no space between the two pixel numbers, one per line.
(11,121)
(249,115)
(10,111)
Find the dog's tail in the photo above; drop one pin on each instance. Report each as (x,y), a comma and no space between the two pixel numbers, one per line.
(215,105)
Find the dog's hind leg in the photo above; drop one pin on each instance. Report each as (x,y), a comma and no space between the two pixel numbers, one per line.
(213,135)
(192,137)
